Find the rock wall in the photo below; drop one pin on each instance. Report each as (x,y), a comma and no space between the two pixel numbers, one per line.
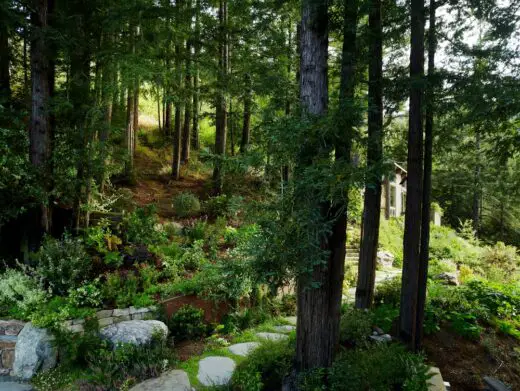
(109,317)
(9,330)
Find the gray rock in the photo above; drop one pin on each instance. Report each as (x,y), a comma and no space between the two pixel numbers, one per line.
(15,386)
(136,332)
(34,352)
(495,384)
(175,380)
(272,336)
(215,371)
(243,349)
(284,328)
(378,330)
(385,258)
(448,278)
(381,338)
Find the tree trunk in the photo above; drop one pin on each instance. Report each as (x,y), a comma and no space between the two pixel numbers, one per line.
(107,101)
(246,127)
(196,89)
(231,120)
(372,201)
(221,109)
(40,129)
(318,307)
(412,224)
(159,115)
(177,131)
(129,135)
(186,133)
(136,113)
(476,185)
(427,180)
(5,78)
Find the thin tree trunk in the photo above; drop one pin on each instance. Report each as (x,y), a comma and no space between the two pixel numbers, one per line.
(427,180)
(5,78)
(246,127)
(107,99)
(231,120)
(177,132)
(412,224)
(129,135)
(372,201)
(159,115)
(196,89)
(186,133)
(221,109)
(476,189)
(136,114)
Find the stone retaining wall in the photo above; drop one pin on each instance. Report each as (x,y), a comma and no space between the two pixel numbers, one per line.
(108,317)
(9,330)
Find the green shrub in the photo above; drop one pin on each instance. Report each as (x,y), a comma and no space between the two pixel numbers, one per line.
(445,243)
(389,292)
(391,238)
(101,239)
(141,227)
(197,231)
(194,257)
(87,295)
(120,288)
(62,264)
(20,293)
(170,255)
(355,326)
(186,204)
(58,309)
(265,367)
(385,315)
(223,206)
(501,257)
(112,369)
(188,323)
(380,368)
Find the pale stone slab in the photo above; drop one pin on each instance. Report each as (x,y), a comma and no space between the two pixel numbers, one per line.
(243,349)
(291,320)
(215,371)
(175,380)
(272,336)
(285,328)
(435,383)
(14,386)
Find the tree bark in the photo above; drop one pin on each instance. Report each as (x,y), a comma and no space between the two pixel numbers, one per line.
(129,135)
(412,225)
(5,78)
(246,126)
(318,307)
(177,131)
(221,107)
(372,201)
(40,129)
(186,133)
(196,88)
(476,185)
(427,180)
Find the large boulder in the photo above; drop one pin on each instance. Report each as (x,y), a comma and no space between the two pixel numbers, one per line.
(448,278)
(136,332)
(34,351)
(385,259)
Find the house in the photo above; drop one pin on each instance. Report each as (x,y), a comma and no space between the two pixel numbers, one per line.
(393,195)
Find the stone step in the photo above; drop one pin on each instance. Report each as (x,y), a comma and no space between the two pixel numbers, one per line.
(175,380)
(215,371)
(243,349)
(272,336)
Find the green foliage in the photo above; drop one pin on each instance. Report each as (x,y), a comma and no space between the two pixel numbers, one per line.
(445,243)
(223,206)
(501,257)
(53,379)
(380,368)
(194,257)
(58,309)
(188,323)
(87,295)
(62,264)
(19,293)
(140,227)
(391,238)
(101,239)
(356,326)
(265,367)
(113,368)
(186,204)
(389,292)
(385,315)
(121,288)
(197,231)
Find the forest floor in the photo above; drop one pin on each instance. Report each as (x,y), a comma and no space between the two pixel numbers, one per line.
(153,183)
(463,362)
